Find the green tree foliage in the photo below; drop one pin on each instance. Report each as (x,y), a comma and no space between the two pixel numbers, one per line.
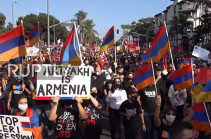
(144,26)
(2,23)
(90,33)
(29,21)
(87,33)
(9,26)
(179,25)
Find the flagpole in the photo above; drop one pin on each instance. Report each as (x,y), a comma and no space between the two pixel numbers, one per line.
(39,34)
(170,47)
(207,113)
(192,69)
(154,78)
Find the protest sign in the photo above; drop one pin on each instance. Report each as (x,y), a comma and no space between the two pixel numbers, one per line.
(15,127)
(200,53)
(64,81)
(32,51)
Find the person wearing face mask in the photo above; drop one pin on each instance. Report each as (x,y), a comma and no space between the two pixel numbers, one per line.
(108,84)
(67,115)
(114,99)
(92,126)
(99,82)
(164,123)
(133,118)
(129,81)
(24,109)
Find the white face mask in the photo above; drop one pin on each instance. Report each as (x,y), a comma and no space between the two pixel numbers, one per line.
(170,118)
(97,73)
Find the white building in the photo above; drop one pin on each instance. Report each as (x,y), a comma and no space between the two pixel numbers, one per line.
(192,10)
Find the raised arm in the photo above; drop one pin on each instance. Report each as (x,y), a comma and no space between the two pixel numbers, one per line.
(52,115)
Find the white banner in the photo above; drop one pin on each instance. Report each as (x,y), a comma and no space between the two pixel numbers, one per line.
(32,51)
(200,53)
(64,81)
(15,127)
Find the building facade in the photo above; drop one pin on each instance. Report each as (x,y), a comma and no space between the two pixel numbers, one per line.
(192,12)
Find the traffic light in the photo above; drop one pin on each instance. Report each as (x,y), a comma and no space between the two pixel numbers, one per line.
(117,31)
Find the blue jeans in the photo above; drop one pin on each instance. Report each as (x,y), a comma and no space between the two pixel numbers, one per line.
(151,132)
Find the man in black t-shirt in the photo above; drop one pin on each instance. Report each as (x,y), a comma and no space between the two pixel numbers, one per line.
(133,118)
(148,96)
(16,87)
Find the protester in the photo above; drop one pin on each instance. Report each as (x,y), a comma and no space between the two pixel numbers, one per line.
(92,126)
(67,115)
(114,99)
(178,100)
(3,106)
(148,97)
(133,118)
(25,109)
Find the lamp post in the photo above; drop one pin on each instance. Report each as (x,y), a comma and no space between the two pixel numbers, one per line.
(48,24)
(13,13)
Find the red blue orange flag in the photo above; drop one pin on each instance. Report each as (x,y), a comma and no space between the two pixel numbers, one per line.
(108,41)
(200,119)
(182,78)
(160,46)
(70,49)
(185,62)
(143,76)
(33,36)
(12,44)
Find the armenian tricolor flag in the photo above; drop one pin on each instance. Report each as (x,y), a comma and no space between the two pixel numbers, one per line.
(26,126)
(108,41)
(33,36)
(143,76)
(70,50)
(185,62)
(200,118)
(182,78)
(160,46)
(12,44)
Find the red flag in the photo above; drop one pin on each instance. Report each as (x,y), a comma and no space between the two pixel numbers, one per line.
(203,76)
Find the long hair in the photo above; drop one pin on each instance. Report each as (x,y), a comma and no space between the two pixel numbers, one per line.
(113,85)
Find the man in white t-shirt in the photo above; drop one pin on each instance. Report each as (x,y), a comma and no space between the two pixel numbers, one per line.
(177,99)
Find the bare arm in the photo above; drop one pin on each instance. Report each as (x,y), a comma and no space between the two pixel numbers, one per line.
(157,112)
(82,112)
(52,115)
(95,103)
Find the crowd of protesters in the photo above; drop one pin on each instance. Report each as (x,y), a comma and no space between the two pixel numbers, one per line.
(157,111)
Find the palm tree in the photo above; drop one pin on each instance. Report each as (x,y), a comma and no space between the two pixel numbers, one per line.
(81,18)
(89,32)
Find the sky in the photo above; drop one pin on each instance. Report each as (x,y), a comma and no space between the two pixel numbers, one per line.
(104,13)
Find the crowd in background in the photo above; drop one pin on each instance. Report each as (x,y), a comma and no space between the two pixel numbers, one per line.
(157,111)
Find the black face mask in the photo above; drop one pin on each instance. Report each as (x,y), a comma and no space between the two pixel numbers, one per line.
(130,79)
(68,102)
(134,98)
(117,85)
(94,95)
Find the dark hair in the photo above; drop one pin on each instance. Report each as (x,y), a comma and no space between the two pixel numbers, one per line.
(113,85)
(29,101)
(170,108)
(177,129)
